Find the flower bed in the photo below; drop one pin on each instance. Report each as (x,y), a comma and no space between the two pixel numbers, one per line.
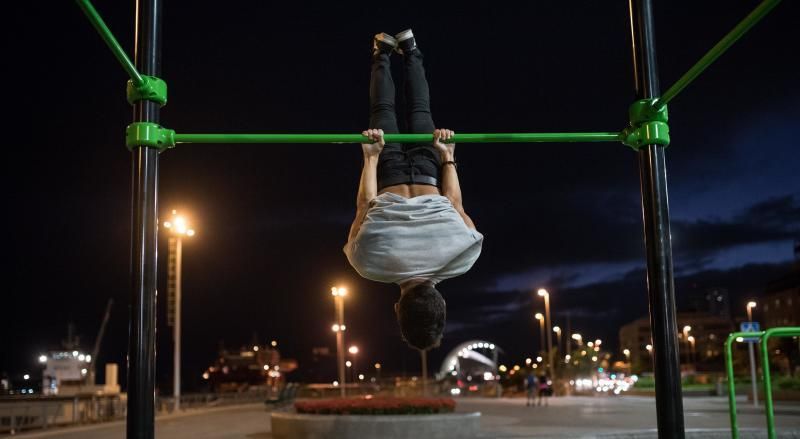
(376,406)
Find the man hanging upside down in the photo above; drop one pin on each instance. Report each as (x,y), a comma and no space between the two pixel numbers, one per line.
(410,226)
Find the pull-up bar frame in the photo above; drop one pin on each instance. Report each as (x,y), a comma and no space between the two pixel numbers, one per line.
(647,132)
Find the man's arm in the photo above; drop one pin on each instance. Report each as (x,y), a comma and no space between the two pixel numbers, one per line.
(450,186)
(368,185)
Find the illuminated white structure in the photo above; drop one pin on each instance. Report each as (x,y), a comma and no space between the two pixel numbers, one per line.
(471,358)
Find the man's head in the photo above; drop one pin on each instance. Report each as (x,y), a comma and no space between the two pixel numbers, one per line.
(421,315)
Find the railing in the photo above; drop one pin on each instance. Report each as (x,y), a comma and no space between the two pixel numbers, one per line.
(17,414)
(43,412)
(764,337)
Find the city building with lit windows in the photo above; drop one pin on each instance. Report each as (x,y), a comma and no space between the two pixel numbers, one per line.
(701,338)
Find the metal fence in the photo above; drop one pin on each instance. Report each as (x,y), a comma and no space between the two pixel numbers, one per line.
(43,412)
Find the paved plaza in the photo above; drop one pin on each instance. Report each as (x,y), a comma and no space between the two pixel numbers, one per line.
(566,417)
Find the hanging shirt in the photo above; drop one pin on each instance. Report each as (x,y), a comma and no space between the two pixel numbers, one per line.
(404,238)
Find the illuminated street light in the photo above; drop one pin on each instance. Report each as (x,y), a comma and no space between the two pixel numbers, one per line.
(348,363)
(543,293)
(273,343)
(338,294)
(751,351)
(540,317)
(528,361)
(26,377)
(627,353)
(353,351)
(686,330)
(578,338)
(557,330)
(649,348)
(43,358)
(178,228)
(750,305)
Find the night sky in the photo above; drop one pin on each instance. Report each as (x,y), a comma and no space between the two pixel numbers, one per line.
(271,220)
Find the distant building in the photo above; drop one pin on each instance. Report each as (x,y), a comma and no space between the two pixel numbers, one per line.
(717,303)
(701,344)
(236,370)
(781,307)
(781,303)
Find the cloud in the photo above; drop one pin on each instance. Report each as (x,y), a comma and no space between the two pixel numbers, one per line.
(609,247)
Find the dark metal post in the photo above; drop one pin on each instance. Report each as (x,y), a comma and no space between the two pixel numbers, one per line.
(657,239)
(144,237)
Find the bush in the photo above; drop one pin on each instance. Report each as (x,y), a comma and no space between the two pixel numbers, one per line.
(376,406)
(786,383)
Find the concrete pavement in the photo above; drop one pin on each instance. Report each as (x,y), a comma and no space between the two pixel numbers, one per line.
(624,417)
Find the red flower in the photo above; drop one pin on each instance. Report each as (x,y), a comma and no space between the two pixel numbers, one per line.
(376,406)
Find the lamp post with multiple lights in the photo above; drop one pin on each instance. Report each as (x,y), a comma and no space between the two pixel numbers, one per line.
(353,350)
(339,328)
(178,228)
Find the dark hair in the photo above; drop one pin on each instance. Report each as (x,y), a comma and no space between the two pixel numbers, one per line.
(421,315)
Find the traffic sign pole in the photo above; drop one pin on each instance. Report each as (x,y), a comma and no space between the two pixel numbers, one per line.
(751,326)
(753,373)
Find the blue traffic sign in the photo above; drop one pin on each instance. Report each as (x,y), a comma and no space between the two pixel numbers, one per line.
(750,327)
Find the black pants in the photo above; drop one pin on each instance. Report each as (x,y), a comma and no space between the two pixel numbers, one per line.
(403,163)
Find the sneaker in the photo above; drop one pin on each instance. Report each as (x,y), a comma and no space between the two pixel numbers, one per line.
(406,42)
(383,43)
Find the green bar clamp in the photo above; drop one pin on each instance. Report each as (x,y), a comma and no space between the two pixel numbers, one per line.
(150,135)
(152,89)
(648,125)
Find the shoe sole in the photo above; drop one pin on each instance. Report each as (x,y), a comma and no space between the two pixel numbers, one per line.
(404,35)
(386,39)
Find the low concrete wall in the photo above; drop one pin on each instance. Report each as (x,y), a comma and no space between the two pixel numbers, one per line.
(301,426)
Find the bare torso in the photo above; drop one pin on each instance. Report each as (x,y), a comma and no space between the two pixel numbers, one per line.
(411,190)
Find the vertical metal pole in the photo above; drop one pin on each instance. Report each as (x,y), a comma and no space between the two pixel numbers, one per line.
(424,355)
(541,333)
(339,301)
(176,391)
(144,238)
(753,378)
(552,371)
(657,239)
(751,352)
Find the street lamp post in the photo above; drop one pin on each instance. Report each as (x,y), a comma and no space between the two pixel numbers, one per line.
(557,330)
(543,293)
(353,350)
(686,330)
(178,229)
(540,317)
(339,328)
(751,351)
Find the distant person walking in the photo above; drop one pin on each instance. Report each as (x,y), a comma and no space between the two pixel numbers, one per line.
(545,390)
(531,387)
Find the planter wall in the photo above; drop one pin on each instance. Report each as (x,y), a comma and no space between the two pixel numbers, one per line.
(301,426)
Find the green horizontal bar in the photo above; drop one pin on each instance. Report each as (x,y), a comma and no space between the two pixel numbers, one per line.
(398,138)
(111,42)
(745,25)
